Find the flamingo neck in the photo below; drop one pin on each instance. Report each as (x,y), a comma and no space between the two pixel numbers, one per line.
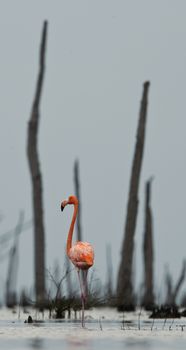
(70,233)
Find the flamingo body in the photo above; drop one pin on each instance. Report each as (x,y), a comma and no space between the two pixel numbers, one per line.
(82,255)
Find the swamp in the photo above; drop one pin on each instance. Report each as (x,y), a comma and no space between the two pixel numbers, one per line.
(105,329)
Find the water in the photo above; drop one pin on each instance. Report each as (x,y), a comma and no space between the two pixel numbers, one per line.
(105,329)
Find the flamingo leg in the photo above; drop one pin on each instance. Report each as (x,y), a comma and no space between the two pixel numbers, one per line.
(83,288)
(84,278)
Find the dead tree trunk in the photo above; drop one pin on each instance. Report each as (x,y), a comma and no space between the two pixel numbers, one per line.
(125,295)
(109,286)
(180,282)
(33,160)
(68,278)
(148,298)
(11,298)
(77,192)
(168,282)
(173,293)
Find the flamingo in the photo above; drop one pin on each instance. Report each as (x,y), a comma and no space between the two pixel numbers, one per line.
(81,254)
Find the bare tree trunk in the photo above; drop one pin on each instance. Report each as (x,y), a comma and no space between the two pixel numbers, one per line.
(125,295)
(68,278)
(11,298)
(168,281)
(148,298)
(33,160)
(109,286)
(77,192)
(173,293)
(180,282)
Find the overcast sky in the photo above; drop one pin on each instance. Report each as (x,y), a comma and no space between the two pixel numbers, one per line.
(99,53)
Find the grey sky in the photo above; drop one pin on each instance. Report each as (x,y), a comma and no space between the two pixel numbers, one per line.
(99,53)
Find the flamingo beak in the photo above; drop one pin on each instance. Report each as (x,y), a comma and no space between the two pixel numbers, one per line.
(63,205)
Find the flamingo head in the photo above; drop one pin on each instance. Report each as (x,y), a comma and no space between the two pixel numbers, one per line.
(70,200)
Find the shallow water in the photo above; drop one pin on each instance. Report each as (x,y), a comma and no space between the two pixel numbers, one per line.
(105,329)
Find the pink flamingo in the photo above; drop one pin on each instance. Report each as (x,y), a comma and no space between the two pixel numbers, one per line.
(81,254)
